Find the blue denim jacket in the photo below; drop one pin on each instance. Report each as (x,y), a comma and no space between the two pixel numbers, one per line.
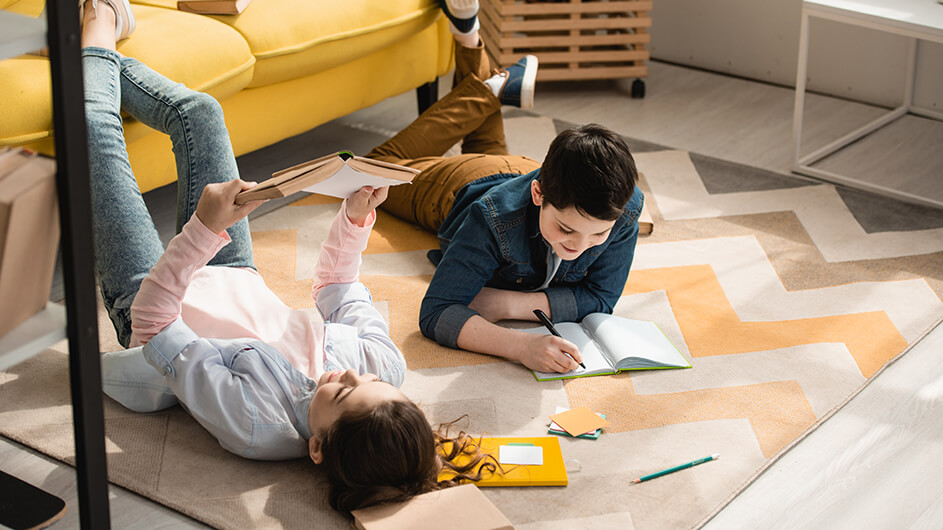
(491,238)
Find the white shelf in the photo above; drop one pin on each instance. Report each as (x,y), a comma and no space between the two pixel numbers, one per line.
(20,34)
(41,331)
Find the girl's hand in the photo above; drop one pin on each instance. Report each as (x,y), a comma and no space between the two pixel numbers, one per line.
(363,201)
(217,208)
(548,353)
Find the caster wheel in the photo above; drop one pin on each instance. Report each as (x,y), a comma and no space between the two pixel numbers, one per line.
(638,88)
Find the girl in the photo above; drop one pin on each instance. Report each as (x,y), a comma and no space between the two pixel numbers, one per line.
(203,329)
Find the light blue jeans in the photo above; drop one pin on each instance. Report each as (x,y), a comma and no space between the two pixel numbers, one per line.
(126,242)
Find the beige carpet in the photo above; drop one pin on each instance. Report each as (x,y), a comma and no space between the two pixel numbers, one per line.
(786,297)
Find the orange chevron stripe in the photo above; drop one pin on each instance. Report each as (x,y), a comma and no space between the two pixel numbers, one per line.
(390,234)
(711,326)
(275,257)
(404,296)
(778,411)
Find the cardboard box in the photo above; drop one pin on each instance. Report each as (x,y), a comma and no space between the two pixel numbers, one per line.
(29,234)
(462,507)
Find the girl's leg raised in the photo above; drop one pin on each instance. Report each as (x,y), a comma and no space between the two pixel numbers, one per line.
(201,144)
(126,242)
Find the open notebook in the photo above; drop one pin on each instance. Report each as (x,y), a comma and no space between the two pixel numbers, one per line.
(611,344)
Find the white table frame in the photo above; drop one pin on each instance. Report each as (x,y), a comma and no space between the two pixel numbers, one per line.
(858,14)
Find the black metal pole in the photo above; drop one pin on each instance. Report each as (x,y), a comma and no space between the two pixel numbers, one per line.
(72,179)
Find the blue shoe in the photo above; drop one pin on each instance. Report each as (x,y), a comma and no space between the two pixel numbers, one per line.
(463,14)
(518,87)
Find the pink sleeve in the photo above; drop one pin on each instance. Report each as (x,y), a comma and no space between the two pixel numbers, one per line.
(339,261)
(158,301)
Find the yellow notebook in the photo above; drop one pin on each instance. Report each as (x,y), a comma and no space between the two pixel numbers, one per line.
(551,473)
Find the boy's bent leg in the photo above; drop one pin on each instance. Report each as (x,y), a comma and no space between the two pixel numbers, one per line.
(471,61)
(488,137)
(201,145)
(428,199)
(446,122)
(126,243)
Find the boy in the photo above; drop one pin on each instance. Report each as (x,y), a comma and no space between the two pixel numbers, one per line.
(514,235)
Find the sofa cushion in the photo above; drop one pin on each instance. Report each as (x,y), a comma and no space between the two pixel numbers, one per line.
(213,58)
(291,39)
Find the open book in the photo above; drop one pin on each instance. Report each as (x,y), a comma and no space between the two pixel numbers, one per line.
(337,175)
(611,344)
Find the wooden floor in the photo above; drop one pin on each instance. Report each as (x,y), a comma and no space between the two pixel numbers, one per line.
(877,462)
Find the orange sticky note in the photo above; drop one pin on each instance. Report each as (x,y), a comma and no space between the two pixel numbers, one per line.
(579,420)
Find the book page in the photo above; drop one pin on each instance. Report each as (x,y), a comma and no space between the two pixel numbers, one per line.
(593,358)
(348,180)
(633,343)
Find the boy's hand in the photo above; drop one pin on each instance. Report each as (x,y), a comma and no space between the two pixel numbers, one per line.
(363,201)
(548,353)
(217,208)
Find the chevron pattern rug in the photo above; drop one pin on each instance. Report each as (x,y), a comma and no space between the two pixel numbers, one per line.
(786,295)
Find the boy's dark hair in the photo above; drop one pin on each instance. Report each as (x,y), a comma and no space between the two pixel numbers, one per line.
(591,168)
(390,453)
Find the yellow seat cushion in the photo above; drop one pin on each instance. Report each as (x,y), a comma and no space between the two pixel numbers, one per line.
(291,39)
(213,58)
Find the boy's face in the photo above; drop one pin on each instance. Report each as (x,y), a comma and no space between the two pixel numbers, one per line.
(340,391)
(568,231)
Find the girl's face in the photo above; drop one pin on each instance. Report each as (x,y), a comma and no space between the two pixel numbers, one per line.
(340,391)
(568,232)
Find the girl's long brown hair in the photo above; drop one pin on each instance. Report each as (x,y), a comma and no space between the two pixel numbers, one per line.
(390,453)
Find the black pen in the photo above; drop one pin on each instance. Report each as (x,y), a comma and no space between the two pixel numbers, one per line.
(549,325)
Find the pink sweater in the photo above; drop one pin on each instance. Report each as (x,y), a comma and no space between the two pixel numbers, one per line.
(232,303)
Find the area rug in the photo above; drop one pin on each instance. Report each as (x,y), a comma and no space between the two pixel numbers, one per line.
(786,295)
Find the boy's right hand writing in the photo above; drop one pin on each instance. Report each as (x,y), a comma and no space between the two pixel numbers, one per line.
(363,201)
(217,208)
(548,353)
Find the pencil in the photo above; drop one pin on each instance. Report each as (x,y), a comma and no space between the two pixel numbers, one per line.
(549,325)
(714,456)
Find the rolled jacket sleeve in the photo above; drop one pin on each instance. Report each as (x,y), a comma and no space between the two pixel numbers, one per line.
(468,263)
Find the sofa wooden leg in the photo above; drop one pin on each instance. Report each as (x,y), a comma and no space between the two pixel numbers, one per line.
(427,94)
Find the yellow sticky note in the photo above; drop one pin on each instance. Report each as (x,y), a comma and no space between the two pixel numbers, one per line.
(579,420)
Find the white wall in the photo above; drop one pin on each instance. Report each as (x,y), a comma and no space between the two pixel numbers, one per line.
(759,39)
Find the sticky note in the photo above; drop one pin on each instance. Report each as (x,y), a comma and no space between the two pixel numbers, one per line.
(554,428)
(579,420)
(522,455)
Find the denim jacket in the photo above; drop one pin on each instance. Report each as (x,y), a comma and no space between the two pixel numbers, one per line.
(491,238)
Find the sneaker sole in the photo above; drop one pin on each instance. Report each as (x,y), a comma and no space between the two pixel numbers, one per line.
(528,81)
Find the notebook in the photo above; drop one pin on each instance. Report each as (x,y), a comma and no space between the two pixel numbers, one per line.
(611,344)
(551,472)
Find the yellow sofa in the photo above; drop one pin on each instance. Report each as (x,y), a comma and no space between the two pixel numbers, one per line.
(280,68)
